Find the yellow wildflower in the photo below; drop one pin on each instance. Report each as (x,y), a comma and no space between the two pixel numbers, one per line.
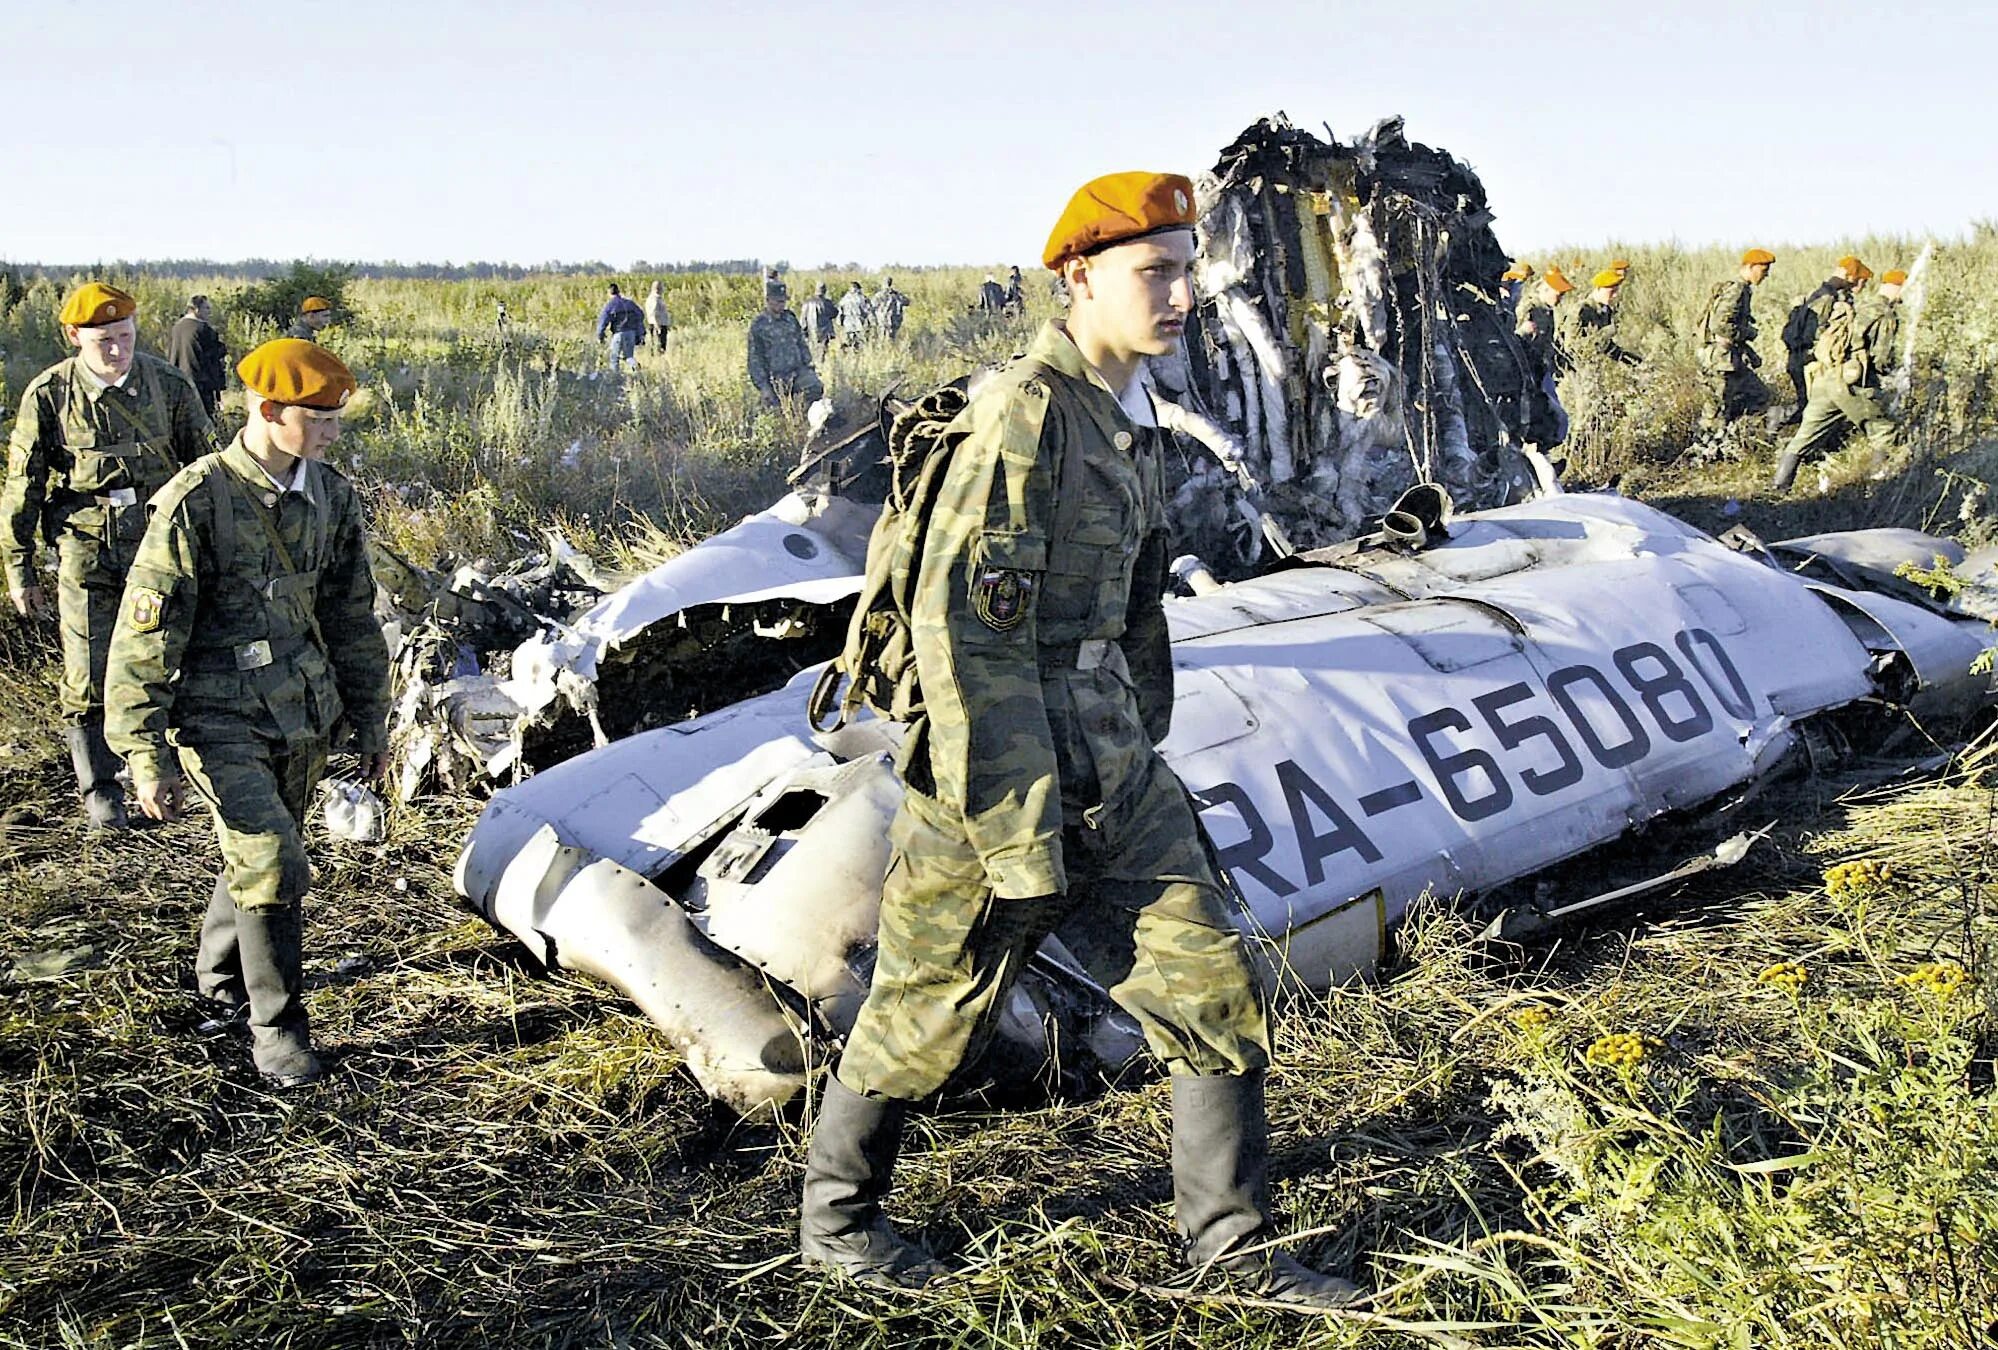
(1788,976)
(1941,979)
(1857,878)
(1533,1019)
(1622,1049)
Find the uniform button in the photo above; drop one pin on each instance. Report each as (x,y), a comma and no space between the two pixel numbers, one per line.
(270,499)
(1122,440)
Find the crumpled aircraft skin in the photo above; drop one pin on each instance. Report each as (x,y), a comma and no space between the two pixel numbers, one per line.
(1365,726)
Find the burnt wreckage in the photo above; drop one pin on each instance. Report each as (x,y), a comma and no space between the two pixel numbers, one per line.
(1393,701)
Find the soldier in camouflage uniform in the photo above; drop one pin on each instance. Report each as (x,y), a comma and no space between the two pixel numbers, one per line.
(97,435)
(315,312)
(1036,801)
(1727,352)
(820,318)
(1858,347)
(246,649)
(780,360)
(1539,331)
(1800,328)
(856,317)
(889,307)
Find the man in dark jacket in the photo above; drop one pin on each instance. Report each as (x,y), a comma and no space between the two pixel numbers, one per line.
(195,347)
(624,321)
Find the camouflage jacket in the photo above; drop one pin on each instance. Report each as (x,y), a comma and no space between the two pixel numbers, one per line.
(818,314)
(1039,633)
(302,330)
(889,307)
(855,314)
(777,348)
(1593,330)
(1729,326)
(1878,321)
(83,459)
(249,615)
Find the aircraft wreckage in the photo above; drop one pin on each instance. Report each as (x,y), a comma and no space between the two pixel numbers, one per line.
(1416,703)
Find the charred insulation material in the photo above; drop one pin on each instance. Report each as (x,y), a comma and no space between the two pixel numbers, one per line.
(1351,338)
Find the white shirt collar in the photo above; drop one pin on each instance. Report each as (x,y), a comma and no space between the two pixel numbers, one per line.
(97,383)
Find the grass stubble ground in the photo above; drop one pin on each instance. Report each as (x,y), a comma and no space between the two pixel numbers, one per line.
(1759,1115)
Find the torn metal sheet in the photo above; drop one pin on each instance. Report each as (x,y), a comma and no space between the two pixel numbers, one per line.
(1363,728)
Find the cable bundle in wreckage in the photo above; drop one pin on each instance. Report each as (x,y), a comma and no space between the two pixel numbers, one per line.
(1350,341)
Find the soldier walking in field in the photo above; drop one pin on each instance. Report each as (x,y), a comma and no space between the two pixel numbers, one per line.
(1594,324)
(991,297)
(97,435)
(1727,354)
(1540,331)
(819,316)
(1800,328)
(1857,348)
(780,360)
(196,351)
(246,650)
(315,312)
(889,307)
(1036,799)
(1016,296)
(856,317)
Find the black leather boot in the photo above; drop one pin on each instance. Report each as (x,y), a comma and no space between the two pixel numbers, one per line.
(847,1176)
(97,776)
(1220,1180)
(268,946)
(1786,471)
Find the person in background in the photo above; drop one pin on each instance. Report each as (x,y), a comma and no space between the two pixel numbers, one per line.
(620,323)
(196,350)
(315,312)
(856,318)
(820,318)
(889,307)
(658,321)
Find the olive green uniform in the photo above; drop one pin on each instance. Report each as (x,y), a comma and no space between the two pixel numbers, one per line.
(1729,359)
(302,330)
(83,459)
(1036,800)
(1846,388)
(247,641)
(780,358)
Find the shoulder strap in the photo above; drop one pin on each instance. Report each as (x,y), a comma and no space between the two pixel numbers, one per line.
(223,501)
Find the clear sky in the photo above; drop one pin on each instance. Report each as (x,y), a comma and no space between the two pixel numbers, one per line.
(436,130)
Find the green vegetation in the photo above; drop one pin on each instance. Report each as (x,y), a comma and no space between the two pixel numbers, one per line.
(1761,1115)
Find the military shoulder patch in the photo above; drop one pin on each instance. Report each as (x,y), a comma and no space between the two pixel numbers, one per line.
(145,606)
(1001,597)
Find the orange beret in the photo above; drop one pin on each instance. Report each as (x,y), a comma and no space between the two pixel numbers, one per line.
(1557,281)
(1617,265)
(1862,273)
(1117,208)
(312,304)
(1757,256)
(1851,266)
(1517,272)
(1609,276)
(292,370)
(93,304)
(1894,278)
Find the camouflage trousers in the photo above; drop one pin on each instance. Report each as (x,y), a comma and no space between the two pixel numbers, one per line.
(90,581)
(259,793)
(252,938)
(1142,913)
(1730,395)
